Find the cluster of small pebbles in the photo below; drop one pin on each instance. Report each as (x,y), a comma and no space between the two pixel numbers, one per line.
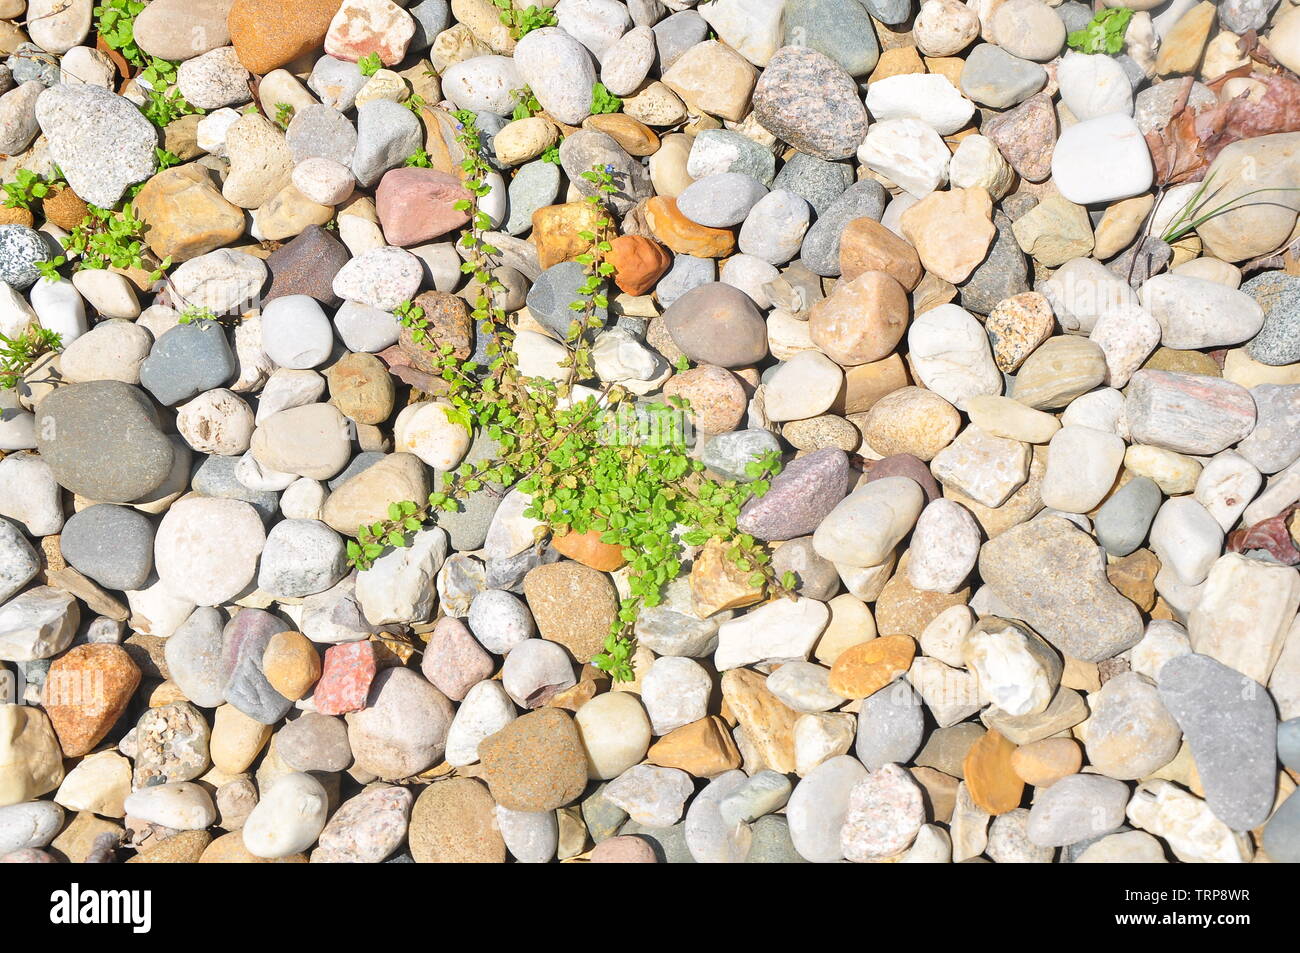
(1041,485)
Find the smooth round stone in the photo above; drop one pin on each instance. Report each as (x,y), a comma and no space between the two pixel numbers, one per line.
(323,180)
(29,825)
(1196,313)
(364,329)
(626,63)
(1081,468)
(288,818)
(403,729)
(928,97)
(1122,522)
(687,273)
(945,546)
(865,527)
(296,333)
(180,805)
(535,671)
(1094,85)
(314,742)
(552,293)
(500,620)
(368,827)
(994,77)
(1075,808)
(531,836)
(583,150)
(805,98)
(195,657)
(675,692)
(559,70)
(1102,160)
(113,545)
(301,557)
(886,810)
(817,181)
(751,275)
(624,849)
(775,227)
(381,277)
(1278,342)
(386,133)
(1130,733)
(952,356)
(101,440)
(891,725)
(485,710)
(651,795)
(804,686)
(815,578)
(206,550)
(217,422)
(187,360)
(709,838)
(615,733)
(802,387)
(717,324)
(722,200)
(535,185)
(226,282)
(1187,539)
(818,807)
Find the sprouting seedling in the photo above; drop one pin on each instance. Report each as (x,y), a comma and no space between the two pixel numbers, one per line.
(1104,33)
(370,64)
(19,353)
(1190,217)
(603,101)
(283,115)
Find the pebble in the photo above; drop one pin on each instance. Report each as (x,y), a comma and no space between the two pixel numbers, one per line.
(289,817)
(1230,726)
(819,807)
(1046,568)
(1077,807)
(403,729)
(100,141)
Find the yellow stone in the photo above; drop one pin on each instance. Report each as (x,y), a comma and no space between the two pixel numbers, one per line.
(899,61)
(1181,48)
(768,722)
(862,670)
(703,749)
(557,231)
(993,784)
(717,583)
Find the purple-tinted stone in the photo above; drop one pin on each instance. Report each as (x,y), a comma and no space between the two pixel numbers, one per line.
(800,497)
(906,465)
(1271,536)
(1230,724)
(245,638)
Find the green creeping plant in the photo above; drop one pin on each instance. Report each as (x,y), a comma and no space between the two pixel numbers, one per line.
(18,353)
(1104,33)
